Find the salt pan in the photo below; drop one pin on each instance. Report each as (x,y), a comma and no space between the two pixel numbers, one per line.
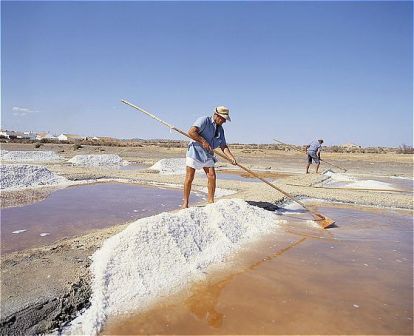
(370,184)
(98,160)
(338,177)
(170,166)
(29,156)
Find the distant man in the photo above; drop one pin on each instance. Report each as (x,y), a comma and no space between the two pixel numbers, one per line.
(207,134)
(314,154)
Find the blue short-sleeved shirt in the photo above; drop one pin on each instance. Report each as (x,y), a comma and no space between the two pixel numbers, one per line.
(314,146)
(214,135)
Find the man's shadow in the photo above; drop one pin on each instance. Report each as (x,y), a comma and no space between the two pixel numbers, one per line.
(275,207)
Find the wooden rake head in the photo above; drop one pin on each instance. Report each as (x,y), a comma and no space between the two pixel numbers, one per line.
(323,221)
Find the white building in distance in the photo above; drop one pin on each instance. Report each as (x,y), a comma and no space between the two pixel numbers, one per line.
(66,137)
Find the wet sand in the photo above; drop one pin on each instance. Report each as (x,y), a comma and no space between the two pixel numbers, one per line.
(357,280)
(45,298)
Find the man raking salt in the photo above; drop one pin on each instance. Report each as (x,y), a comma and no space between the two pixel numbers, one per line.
(207,134)
(219,140)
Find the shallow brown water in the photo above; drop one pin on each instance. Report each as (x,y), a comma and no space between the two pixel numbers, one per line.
(234,177)
(240,175)
(355,279)
(79,209)
(133,166)
(398,183)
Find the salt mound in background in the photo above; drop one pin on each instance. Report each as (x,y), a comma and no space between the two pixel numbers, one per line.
(160,255)
(14,176)
(370,184)
(175,166)
(170,166)
(355,183)
(29,156)
(338,177)
(98,160)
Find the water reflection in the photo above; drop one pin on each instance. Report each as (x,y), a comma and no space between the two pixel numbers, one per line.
(79,209)
(205,297)
(354,279)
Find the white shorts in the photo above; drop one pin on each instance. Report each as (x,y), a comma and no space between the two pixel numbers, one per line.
(190,162)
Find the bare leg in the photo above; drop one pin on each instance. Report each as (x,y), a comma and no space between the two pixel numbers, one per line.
(317,167)
(211,185)
(189,177)
(307,168)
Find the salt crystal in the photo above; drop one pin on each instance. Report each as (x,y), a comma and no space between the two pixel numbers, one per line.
(19,231)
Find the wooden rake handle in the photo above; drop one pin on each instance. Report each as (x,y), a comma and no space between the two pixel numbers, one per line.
(224,157)
(265,181)
(333,165)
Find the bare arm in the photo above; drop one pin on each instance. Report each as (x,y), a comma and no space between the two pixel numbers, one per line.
(227,152)
(195,135)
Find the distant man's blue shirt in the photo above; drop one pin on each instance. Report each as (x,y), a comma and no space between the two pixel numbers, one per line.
(314,146)
(214,135)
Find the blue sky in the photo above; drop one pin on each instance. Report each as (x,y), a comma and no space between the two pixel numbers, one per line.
(295,71)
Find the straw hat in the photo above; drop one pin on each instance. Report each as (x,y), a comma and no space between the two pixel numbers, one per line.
(224,112)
